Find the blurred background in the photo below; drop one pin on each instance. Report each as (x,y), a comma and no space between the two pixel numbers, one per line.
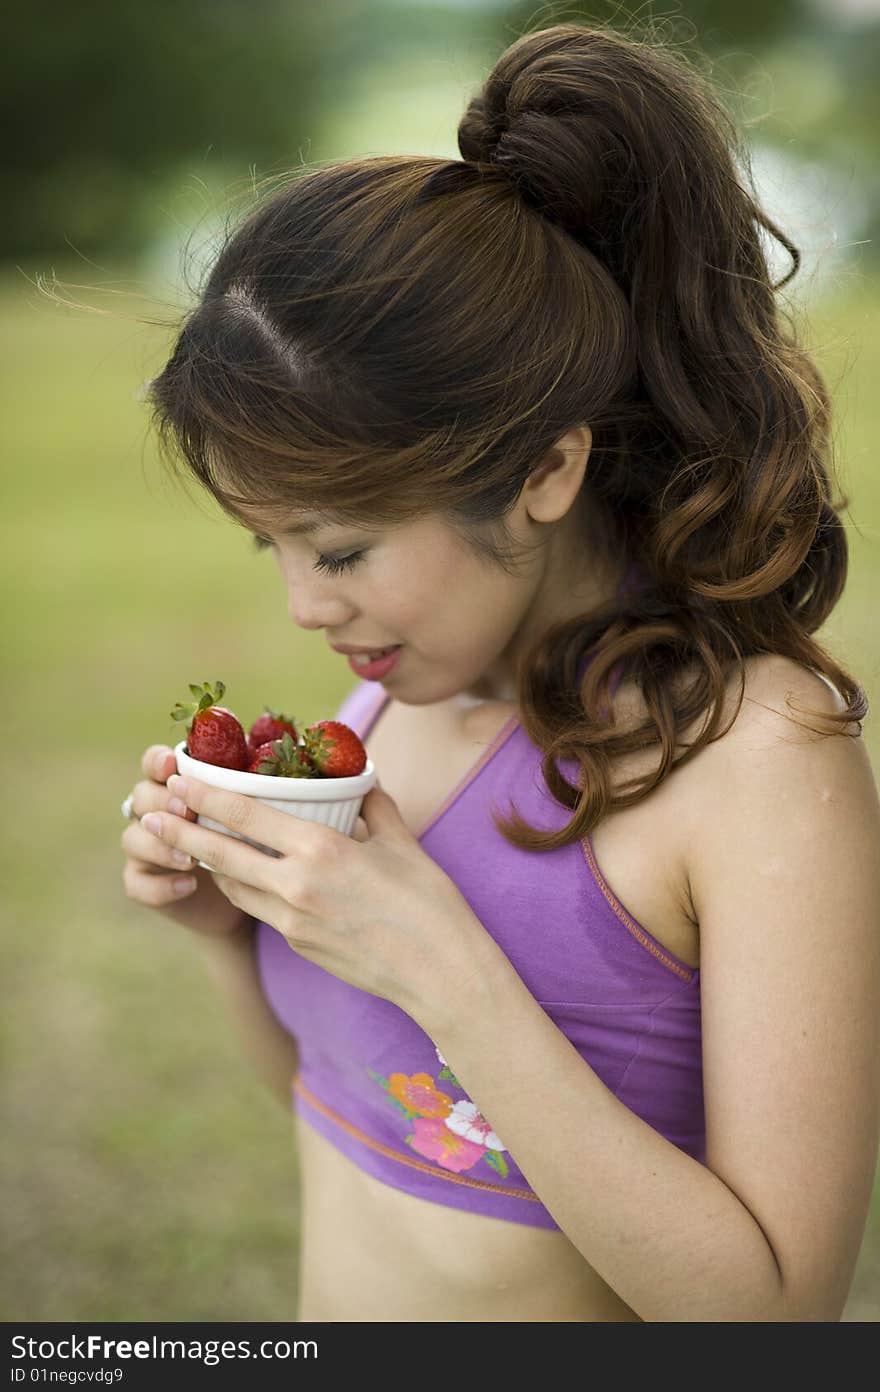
(147,1173)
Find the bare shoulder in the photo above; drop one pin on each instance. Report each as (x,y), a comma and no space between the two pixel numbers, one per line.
(778,703)
(780,753)
(776,692)
(776,700)
(779,694)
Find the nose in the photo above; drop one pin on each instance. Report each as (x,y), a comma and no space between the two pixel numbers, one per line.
(309,608)
(313,600)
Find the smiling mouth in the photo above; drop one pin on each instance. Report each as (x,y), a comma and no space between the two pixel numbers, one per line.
(365,658)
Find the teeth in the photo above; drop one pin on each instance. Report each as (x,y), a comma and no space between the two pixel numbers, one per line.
(363,659)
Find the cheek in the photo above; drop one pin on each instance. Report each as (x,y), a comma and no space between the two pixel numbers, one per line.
(392,599)
(409,585)
(441,591)
(428,593)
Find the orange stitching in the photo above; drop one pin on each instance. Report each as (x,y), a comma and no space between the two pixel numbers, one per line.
(501,738)
(686,973)
(414,1164)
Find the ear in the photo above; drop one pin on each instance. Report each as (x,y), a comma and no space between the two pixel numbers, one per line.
(551,487)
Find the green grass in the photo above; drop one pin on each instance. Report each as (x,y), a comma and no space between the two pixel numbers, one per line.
(147,1173)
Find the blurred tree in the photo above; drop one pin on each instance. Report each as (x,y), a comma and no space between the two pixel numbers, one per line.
(101,100)
(714,23)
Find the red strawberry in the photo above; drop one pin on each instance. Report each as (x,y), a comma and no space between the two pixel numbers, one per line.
(335,749)
(282,758)
(214,734)
(270,726)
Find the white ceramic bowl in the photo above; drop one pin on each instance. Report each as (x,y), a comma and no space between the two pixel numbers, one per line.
(335,802)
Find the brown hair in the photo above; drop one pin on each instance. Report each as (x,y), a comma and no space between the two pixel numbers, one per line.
(386,338)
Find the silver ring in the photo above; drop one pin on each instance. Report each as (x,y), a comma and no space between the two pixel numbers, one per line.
(127,805)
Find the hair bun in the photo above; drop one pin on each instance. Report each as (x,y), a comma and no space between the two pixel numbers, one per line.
(552,118)
(612,139)
(529,78)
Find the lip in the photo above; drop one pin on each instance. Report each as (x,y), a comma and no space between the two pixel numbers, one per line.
(348,650)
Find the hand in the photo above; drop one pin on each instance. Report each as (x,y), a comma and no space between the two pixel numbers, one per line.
(378,913)
(150,873)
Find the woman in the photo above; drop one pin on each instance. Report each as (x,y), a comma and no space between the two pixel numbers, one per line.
(582,1024)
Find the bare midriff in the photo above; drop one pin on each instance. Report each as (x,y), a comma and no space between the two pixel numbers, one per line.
(370,1252)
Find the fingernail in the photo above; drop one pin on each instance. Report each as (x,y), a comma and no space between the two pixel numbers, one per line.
(175,805)
(152,823)
(181,858)
(177,785)
(184,885)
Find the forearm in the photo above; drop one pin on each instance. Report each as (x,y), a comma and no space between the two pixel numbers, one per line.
(231,964)
(661,1229)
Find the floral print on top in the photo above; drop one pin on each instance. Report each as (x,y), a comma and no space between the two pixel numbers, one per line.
(455,1134)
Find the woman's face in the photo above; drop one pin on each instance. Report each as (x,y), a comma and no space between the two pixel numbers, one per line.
(461,620)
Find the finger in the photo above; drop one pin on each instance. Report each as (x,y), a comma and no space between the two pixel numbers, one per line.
(251,818)
(156,889)
(219,852)
(140,844)
(150,796)
(158,762)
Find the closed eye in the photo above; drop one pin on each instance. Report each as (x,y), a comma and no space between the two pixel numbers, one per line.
(332,565)
(335,565)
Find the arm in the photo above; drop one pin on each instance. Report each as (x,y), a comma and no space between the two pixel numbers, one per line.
(785,870)
(231,963)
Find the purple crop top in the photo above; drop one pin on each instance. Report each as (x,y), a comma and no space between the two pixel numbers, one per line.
(372,1082)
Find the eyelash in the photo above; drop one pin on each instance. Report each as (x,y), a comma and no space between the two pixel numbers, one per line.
(333,565)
